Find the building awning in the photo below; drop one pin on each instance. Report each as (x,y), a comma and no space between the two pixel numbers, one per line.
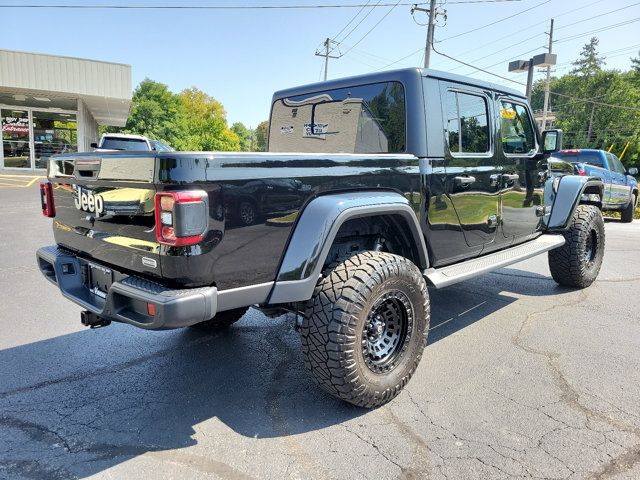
(104,87)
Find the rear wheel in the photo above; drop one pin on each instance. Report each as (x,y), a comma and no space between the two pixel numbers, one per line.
(627,213)
(365,327)
(577,263)
(222,320)
(247,213)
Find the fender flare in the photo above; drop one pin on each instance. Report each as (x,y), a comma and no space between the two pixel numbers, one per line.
(565,197)
(318,226)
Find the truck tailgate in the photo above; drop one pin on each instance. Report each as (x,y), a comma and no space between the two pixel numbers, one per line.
(105,208)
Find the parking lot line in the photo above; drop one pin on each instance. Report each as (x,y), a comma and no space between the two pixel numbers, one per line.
(22,181)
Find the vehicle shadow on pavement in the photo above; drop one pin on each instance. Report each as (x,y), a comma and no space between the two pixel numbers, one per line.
(461,305)
(78,404)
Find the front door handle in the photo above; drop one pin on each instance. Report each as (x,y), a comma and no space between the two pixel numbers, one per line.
(509,177)
(464,180)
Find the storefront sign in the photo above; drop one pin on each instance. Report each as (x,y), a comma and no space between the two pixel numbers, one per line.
(15,125)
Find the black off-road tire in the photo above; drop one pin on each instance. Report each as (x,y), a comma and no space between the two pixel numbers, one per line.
(577,263)
(347,303)
(222,320)
(627,214)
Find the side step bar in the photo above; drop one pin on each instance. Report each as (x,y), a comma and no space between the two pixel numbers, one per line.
(445,276)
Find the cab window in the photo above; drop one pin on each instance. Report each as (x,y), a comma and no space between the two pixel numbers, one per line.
(518,136)
(467,123)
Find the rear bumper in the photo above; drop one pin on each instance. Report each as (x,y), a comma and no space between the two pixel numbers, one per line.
(128,297)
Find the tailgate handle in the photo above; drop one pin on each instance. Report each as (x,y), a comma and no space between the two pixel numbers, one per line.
(87,168)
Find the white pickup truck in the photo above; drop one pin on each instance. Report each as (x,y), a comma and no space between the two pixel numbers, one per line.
(126,141)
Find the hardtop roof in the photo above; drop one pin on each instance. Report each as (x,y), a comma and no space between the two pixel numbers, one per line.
(399,75)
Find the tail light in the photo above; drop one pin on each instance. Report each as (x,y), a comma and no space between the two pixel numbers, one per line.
(46,200)
(181,217)
(582,172)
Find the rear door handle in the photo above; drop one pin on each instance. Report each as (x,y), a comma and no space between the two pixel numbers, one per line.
(464,180)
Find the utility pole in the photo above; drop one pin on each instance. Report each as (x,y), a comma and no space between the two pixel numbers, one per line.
(433,13)
(325,54)
(547,82)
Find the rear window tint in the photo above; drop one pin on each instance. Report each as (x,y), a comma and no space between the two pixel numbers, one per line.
(132,144)
(591,158)
(357,119)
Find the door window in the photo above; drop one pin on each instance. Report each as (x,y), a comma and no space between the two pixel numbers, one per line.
(518,136)
(467,123)
(617,164)
(53,133)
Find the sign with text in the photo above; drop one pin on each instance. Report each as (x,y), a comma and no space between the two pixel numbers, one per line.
(319,130)
(15,125)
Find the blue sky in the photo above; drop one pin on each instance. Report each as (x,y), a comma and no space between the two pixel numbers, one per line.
(241,57)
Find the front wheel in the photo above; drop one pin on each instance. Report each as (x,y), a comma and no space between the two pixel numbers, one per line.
(365,328)
(627,214)
(577,263)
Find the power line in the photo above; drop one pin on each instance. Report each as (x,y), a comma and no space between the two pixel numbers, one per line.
(624,107)
(598,16)
(476,68)
(210,7)
(232,7)
(608,27)
(587,100)
(371,29)
(352,19)
(494,22)
(358,24)
(524,28)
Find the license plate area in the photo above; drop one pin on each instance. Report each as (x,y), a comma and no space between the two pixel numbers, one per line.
(97,279)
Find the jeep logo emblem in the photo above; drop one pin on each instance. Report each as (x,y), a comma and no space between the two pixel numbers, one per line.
(88,202)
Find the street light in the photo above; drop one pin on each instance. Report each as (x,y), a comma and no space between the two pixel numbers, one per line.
(541,60)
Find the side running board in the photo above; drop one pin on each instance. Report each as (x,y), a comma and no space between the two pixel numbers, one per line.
(445,276)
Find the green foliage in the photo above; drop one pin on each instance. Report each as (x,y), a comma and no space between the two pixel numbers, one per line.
(245,135)
(589,62)
(205,124)
(596,108)
(261,134)
(189,120)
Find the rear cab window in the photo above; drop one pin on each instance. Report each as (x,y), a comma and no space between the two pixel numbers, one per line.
(467,124)
(357,119)
(130,144)
(590,158)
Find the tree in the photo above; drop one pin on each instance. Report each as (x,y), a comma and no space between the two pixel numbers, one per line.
(589,62)
(635,63)
(244,134)
(205,124)
(261,133)
(156,112)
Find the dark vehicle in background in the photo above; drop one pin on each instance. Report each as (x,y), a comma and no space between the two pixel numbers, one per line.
(129,142)
(263,199)
(423,178)
(620,187)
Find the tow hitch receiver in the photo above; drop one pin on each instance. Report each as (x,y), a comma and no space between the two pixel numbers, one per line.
(91,320)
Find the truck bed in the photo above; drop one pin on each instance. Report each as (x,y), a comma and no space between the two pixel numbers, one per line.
(253,201)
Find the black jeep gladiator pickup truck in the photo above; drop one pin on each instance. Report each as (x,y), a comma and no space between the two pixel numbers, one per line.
(426,179)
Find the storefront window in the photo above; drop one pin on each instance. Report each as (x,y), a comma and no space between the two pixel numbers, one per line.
(53,133)
(15,138)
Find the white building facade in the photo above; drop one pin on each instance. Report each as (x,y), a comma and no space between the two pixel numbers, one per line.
(51,104)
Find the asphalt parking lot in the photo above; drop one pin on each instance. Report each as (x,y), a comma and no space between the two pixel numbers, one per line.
(521,378)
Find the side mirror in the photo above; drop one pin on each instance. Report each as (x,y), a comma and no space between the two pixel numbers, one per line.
(93,145)
(551,141)
(633,171)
